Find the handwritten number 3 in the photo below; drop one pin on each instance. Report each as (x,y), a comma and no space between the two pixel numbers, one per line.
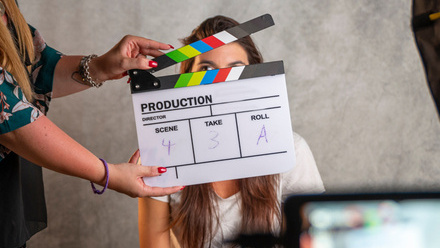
(214,140)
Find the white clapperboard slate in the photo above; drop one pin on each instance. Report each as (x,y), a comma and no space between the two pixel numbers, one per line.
(213,125)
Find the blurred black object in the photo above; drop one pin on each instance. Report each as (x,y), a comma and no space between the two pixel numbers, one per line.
(261,240)
(426,28)
(424,20)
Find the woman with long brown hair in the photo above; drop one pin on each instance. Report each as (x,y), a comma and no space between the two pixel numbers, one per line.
(31,74)
(206,215)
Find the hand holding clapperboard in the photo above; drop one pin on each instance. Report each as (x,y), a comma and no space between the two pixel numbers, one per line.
(234,123)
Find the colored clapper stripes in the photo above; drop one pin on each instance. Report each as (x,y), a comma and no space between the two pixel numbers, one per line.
(214,41)
(221,75)
(201,46)
(143,80)
(207,77)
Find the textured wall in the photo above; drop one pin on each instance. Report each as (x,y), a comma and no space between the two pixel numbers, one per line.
(357,91)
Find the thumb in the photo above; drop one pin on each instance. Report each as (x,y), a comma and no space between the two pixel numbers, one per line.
(135,158)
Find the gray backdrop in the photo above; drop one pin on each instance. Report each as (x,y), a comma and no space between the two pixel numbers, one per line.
(357,92)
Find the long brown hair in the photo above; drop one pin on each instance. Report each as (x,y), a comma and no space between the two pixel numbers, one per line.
(14,51)
(259,201)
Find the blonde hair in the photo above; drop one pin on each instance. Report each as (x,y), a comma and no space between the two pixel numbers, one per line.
(12,56)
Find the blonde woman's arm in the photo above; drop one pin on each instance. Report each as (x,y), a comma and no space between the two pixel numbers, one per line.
(44,144)
(129,53)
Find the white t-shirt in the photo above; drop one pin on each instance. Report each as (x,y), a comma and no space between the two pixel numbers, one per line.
(304,178)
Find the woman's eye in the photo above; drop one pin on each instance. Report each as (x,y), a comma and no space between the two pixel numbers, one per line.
(206,68)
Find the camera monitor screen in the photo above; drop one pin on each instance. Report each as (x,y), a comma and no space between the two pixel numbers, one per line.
(391,220)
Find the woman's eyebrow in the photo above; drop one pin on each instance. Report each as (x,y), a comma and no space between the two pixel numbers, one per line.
(236,63)
(213,65)
(207,62)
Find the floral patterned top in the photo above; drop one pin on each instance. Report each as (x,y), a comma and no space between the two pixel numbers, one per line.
(22,205)
(15,110)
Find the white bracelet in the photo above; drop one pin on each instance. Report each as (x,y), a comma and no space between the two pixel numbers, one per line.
(84,71)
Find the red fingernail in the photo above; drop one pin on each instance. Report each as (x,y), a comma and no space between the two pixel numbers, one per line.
(182,188)
(129,80)
(162,169)
(171,46)
(152,63)
(124,73)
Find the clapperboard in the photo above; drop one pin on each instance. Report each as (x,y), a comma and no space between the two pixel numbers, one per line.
(213,125)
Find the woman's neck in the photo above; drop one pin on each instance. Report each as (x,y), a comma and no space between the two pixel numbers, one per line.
(226,189)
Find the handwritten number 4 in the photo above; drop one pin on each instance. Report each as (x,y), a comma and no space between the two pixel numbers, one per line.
(167,145)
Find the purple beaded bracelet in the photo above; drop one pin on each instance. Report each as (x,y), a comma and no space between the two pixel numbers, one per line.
(106,179)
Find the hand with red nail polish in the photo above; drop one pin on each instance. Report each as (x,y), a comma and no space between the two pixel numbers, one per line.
(130,53)
(128,178)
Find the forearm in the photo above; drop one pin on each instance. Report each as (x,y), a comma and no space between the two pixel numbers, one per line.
(43,143)
(67,79)
(129,53)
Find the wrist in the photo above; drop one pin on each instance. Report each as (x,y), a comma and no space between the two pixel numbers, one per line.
(89,71)
(105,180)
(96,72)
